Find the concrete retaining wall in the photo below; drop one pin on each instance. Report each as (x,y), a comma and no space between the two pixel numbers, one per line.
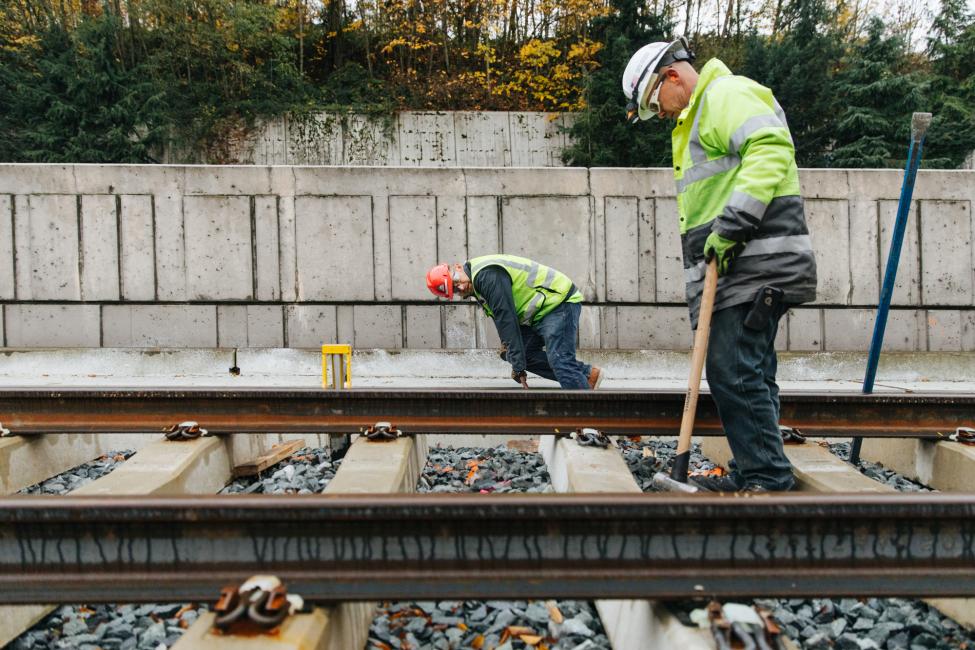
(409,139)
(165,256)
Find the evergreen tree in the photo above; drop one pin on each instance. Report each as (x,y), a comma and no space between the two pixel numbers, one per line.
(879,94)
(75,101)
(603,138)
(798,68)
(952,89)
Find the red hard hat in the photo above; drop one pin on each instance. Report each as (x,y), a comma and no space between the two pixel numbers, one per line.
(439,281)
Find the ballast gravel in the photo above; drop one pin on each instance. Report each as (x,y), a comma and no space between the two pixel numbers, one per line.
(823,623)
(307,471)
(75,477)
(486,625)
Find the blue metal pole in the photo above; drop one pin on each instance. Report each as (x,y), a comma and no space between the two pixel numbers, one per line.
(919,126)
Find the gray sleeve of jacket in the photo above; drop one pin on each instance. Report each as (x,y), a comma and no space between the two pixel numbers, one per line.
(494,285)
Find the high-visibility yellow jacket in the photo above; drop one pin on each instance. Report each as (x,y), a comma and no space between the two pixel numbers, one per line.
(537,289)
(735,167)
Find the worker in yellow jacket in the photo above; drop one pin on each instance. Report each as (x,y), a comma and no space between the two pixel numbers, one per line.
(738,201)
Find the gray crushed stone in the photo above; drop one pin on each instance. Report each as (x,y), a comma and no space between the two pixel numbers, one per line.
(657,458)
(307,471)
(490,625)
(878,472)
(110,627)
(75,477)
(834,624)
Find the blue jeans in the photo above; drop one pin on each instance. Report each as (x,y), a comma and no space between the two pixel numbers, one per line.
(741,368)
(557,333)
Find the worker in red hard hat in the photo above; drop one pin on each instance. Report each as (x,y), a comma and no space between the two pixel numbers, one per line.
(535,308)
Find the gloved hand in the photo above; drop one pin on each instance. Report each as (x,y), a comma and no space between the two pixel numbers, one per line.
(503,352)
(726,250)
(521,377)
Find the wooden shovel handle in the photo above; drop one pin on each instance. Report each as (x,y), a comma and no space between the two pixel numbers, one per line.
(698,355)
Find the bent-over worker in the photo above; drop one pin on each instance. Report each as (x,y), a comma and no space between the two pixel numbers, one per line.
(535,309)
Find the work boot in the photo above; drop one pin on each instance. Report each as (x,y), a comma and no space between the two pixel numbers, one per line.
(595,378)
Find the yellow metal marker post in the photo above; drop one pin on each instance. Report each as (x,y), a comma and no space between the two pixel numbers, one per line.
(336,357)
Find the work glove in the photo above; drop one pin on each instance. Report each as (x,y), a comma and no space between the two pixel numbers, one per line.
(726,250)
(521,377)
(503,353)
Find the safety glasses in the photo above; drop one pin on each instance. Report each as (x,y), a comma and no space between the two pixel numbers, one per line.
(653,104)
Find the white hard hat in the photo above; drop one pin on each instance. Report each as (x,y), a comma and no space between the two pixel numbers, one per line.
(641,73)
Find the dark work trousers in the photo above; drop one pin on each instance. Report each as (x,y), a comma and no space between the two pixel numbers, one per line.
(741,368)
(557,333)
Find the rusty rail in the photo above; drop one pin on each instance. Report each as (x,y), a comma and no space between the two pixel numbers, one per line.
(75,410)
(376,547)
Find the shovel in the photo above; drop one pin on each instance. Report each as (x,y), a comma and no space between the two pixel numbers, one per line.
(677,481)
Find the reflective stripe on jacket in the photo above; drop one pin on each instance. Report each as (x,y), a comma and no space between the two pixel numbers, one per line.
(735,167)
(537,289)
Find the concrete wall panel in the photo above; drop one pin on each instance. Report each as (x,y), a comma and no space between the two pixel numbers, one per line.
(864,253)
(159,326)
(944,330)
(482,226)
(99,247)
(805,329)
(378,326)
(310,326)
(482,139)
(829,228)
(63,326)
(458,325)
(369,142)
(487,332)
(413,244)
(553,230)
(622,216)
(170,246)
(946,253)
(423,327)
(451,229)
(907,288)
(589,326)
(670,259)
(535,139)
(608,331)
(647,251)
(46,236)
(7,276)
(852,329)
(427,139)
(267,248)
(968,331)
(345,324)
(219,247)
(334,238)
(662,328)
(137,257)
(250,326)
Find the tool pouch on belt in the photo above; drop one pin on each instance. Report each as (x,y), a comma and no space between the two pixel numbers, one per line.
(766,303)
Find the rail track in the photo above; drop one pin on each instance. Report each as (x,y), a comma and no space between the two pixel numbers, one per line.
(289,410)
(352,547)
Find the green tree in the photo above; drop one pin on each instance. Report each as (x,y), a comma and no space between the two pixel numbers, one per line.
(880,89)
(799,70)
(602,137)
(951,96)
(70,98)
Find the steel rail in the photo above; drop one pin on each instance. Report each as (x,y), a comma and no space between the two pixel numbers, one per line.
(80,410)
(376,547)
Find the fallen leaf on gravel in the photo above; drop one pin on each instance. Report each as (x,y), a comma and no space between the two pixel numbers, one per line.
(554,612)
(462,626)
(530,639)
(648,453)
(478,642)
(518,630)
